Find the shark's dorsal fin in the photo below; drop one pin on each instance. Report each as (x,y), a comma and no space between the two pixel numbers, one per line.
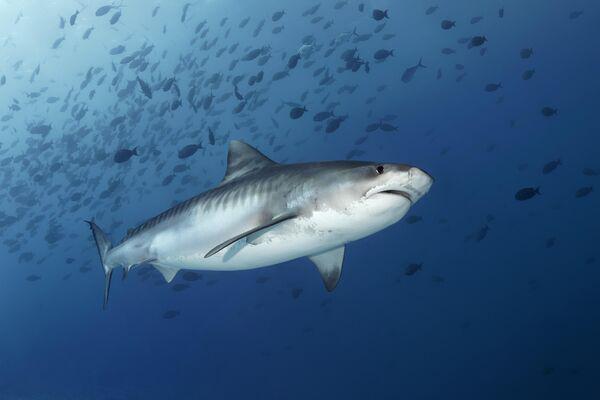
(242,159)
(329,264)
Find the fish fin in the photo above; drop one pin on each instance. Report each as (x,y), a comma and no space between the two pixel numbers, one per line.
(243,159)
(127,268)
(261,236)
(273,221)
(256,237)
(103,245)
(329,263)
(167,273)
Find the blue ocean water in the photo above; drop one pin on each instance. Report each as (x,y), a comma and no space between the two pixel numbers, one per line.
(504,304)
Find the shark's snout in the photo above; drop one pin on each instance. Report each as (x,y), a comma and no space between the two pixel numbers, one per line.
(419,183)
(412,183)
(418,171)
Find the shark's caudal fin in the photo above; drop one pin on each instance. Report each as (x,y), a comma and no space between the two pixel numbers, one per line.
(103,244)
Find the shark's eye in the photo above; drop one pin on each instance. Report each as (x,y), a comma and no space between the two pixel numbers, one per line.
(379,169)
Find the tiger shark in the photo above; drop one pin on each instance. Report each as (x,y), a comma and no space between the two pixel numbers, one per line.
(265,213)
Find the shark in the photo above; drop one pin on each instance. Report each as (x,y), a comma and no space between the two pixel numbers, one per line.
(265,213)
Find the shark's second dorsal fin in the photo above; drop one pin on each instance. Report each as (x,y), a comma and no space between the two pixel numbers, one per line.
(242,159)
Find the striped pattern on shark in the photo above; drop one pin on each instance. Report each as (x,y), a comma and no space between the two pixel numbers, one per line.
(264,213)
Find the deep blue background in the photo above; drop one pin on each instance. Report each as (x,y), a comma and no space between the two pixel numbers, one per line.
(511,318)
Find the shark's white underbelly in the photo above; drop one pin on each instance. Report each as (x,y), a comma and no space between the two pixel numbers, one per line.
(287,241)
(185,246)
(290,240)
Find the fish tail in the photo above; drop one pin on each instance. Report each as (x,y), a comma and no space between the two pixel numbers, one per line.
(537,190)
(134,151)
(420,64)
(354,32)
(103,244)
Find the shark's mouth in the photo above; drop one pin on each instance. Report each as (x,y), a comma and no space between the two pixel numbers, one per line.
(393,192)
(404,194)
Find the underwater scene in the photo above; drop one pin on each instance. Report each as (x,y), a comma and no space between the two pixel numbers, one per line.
(315,199)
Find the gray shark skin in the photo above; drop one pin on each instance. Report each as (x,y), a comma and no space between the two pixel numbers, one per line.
(264,213)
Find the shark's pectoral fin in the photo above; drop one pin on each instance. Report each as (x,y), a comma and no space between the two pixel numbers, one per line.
(167,273)
(262,235)
(329,264)
(256,237)
(273,221)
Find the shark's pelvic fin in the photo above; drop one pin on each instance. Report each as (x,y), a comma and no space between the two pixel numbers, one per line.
(167,273)
(274,221)
(243,159)
(103,244)
(329,264)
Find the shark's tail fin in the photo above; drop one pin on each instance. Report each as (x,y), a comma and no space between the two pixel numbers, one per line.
(103,244)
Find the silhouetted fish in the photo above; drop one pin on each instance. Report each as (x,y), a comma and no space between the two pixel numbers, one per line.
(409,73)
(527,193)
